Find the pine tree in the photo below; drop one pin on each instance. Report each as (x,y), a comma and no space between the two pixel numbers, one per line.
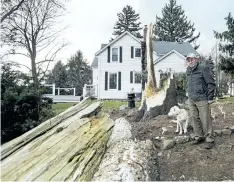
(128,21)
(174,26)
(79,72)
(58,75)
(227,46)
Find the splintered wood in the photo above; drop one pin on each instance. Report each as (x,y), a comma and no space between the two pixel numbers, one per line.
(155,101)
(152,96)
(70,150)
(151,86)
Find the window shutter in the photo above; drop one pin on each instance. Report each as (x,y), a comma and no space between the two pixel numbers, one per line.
(131,76)
(108,54)
(119,81)
(106,80)
(120,54)
(132,51)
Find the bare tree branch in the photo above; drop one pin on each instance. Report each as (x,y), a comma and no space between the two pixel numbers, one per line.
(12,10)
(53,56)
(40,62)
(18,64)
(18,53)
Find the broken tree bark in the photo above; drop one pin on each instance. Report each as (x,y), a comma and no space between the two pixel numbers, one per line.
(151,86)
(155,101)
(127,159)
(71,150)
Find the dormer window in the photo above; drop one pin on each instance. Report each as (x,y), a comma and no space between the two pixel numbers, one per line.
(115,54)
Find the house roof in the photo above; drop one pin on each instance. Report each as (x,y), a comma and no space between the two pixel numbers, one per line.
(169,53)
(103,45)
(116,39)
(95,62)
(163,47)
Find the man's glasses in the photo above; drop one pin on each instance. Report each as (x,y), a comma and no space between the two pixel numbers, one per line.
(189,59)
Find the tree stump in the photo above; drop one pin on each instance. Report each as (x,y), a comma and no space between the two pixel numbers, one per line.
(155,101)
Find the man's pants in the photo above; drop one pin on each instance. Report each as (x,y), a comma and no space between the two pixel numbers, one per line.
(201,120)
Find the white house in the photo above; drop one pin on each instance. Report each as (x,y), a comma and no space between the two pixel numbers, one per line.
(117,65)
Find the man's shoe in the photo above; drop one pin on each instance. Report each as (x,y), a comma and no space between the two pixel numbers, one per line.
(196,142)
(209,145)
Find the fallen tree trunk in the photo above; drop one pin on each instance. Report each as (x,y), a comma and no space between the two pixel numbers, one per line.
(15,144)
(127,159)
(71,150)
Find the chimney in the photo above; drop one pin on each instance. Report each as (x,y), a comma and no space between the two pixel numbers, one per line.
(145,33)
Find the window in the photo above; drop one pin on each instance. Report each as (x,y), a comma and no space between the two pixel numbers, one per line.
(137,77)
(137,52)
(115,54)
(113,81)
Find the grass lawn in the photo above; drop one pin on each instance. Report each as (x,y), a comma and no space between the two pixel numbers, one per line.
(114,104)
(227,99)
(60,107)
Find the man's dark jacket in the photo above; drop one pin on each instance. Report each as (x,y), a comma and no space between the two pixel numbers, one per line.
(201,84)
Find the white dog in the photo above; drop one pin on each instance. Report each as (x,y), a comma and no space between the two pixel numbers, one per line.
(182,119)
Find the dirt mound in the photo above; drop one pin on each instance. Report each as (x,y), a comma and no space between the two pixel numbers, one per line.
(185,161)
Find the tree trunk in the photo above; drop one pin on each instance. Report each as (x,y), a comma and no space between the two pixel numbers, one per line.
(143,60)
(67,147)
(143,65)
(34,70)
(154,101)
(231,87)
(127,159)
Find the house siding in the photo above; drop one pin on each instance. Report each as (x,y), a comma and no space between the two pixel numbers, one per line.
(128,64)
(173,61)
(95,76)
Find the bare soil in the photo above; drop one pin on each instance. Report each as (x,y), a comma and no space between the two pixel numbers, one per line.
(186,162)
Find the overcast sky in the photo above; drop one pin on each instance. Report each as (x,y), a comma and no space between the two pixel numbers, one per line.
(91,22)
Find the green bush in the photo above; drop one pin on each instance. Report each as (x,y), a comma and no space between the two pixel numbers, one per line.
(181,86)
(22,107)
(163,78)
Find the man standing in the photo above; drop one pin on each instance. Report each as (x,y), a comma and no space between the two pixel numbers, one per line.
(201,88)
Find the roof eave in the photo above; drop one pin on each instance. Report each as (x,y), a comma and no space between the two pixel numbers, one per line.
(167,54)
(116,39)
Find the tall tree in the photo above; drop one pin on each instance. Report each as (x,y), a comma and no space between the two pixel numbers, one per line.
(174,26)
(79,72)
(58,75)
(227,46)
(128,21)
(32,31)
